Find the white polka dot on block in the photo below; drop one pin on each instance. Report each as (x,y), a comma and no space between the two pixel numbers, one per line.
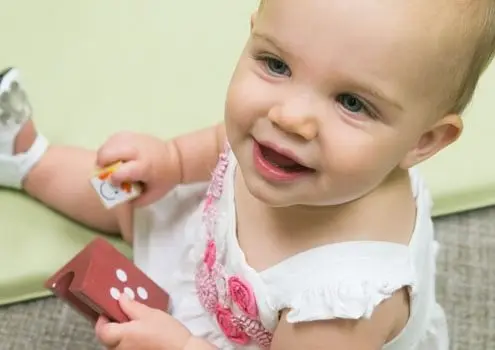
(115,293)
(129,292)
(121,275)
(143,293)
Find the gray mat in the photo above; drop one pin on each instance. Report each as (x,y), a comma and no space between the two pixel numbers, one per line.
(466,288)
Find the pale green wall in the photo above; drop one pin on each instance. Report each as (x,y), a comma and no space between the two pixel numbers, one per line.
(93,67)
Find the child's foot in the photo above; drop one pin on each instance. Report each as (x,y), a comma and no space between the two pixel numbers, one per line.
(20,146)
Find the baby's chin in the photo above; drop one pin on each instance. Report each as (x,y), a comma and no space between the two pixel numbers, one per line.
(289,199)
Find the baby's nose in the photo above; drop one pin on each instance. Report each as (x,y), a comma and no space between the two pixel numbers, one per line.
(297,117)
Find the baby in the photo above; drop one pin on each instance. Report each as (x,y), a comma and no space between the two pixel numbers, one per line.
(313,231)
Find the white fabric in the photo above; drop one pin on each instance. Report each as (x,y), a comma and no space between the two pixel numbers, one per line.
(14,168)
(15,111)
(357,276)
(9,126)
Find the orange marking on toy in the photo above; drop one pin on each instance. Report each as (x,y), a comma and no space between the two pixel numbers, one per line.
(126,187)
(106,172)
(105,175)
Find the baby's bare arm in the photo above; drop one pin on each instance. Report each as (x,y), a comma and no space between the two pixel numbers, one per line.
(388,319)
(198,153)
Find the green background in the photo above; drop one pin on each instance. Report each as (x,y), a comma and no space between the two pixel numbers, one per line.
(95,67)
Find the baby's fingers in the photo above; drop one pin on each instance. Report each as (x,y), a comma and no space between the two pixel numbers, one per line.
(108,334)
(131,172)
(108,155)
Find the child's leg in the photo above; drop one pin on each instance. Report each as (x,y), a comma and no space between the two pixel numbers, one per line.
(61,181)
(58,176)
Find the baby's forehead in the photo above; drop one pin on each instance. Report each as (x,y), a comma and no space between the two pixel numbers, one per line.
(438,20)
(418,42)
(391,30)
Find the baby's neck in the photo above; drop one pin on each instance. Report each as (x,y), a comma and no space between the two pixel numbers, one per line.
(385,214)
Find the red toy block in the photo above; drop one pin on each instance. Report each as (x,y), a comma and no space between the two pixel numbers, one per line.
(95,278)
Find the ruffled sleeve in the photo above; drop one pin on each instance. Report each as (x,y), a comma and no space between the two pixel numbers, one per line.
(346,281)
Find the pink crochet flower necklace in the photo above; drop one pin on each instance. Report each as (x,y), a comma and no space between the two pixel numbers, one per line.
(229,298)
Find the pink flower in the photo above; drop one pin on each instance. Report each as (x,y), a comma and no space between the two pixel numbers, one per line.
(210,256)
(242,295)
(225,321)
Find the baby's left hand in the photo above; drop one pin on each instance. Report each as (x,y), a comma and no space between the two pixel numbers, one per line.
(149,329)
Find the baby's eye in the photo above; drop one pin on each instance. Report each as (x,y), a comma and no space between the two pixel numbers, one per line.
(352,103)
(275,66)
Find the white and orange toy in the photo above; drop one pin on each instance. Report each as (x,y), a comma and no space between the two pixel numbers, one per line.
(111,195)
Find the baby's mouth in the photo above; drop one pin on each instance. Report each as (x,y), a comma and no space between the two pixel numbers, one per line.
(281,161)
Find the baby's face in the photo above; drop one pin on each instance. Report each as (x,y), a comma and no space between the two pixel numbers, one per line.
(345,88)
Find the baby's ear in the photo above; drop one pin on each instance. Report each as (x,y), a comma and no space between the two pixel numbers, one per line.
(443,133)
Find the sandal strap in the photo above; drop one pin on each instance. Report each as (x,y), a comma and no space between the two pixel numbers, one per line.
(14,168)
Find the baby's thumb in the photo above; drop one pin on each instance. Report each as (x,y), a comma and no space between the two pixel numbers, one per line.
(108,155)
(133,309)
(130,172)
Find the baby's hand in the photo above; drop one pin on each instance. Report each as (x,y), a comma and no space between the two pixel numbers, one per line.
(147,160)
(149,329)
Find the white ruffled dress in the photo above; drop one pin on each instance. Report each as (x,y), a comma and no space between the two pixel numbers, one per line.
(187,243)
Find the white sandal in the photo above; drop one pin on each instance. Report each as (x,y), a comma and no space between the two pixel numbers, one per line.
(15,111)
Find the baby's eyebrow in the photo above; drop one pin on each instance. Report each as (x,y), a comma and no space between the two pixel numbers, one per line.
(375,92)
(269,40)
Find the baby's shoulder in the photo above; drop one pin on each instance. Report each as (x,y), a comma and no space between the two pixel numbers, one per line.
(345,280)
(368,285)
(385,326)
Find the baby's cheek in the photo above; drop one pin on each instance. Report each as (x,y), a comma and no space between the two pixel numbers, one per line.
(236,108)
(353,152)
(355,168)
(249,96)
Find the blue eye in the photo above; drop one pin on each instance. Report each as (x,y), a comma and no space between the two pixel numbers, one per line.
(276,66)
(351,103)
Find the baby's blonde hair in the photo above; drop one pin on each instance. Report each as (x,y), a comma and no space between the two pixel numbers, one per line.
(475,51)
(477,38)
